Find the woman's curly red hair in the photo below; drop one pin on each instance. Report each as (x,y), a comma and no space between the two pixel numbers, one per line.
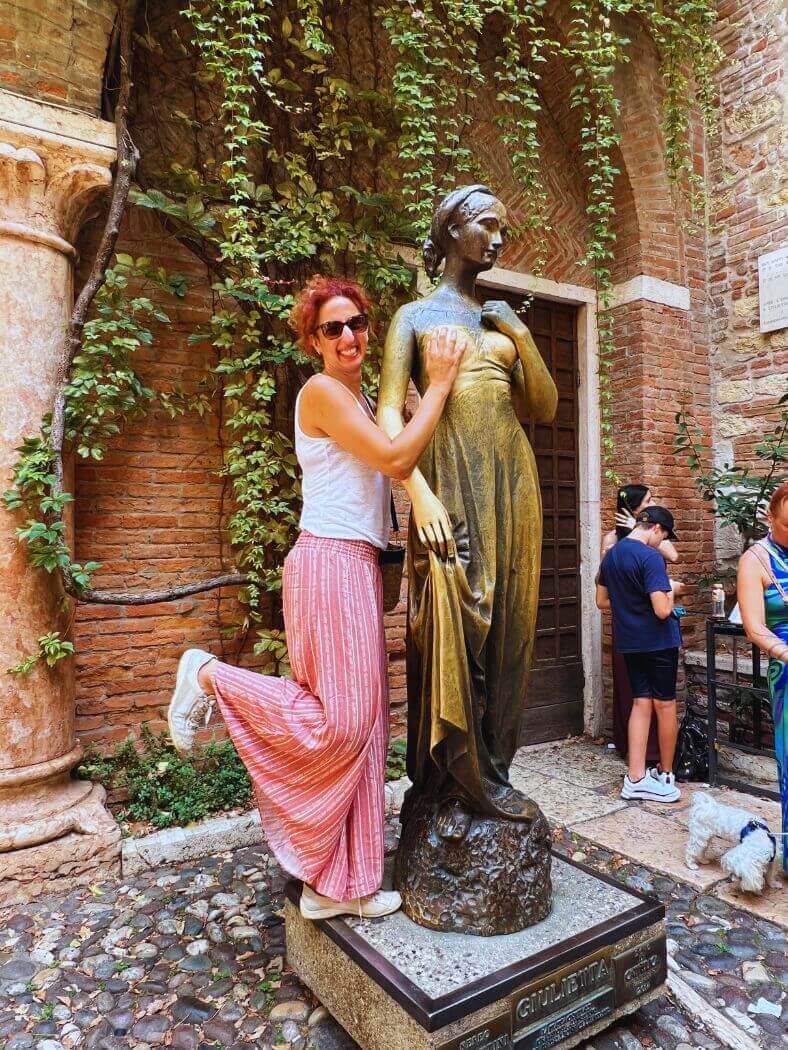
(317,291)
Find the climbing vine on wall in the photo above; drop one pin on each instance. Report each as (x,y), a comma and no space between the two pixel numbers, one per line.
(317,135)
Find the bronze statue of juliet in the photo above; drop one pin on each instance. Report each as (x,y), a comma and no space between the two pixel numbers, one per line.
(475,537)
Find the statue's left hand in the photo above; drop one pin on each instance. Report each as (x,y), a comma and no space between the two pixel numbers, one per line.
(498,314)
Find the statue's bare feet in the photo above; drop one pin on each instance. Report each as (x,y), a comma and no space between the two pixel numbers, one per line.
(453,821)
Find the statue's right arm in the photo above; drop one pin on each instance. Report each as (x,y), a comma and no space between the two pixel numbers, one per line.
(432,521)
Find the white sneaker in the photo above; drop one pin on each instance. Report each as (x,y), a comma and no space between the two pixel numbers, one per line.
(652,788)
(190,708)
(382,902)
(314,905)
(669,779)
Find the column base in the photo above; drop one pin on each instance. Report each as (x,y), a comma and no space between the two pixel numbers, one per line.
(91,853)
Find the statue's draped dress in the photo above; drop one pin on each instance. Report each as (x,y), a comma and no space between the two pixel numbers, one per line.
(471,620)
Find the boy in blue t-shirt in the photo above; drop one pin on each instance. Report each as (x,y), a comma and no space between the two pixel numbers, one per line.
(633,583)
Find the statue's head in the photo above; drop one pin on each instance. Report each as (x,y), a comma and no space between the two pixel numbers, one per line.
(470,222)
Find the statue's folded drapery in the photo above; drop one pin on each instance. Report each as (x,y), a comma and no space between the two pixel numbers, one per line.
(471,620)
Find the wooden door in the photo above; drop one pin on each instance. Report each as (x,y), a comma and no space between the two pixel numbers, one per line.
(554,707)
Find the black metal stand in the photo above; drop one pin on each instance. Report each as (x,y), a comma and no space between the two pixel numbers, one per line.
(759,694)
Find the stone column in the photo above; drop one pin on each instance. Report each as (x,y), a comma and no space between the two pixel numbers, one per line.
(53,165)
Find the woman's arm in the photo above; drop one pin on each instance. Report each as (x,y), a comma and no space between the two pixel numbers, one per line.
(668,552)
(537,398)
(326,406)
(608,542)
(432,521)
(602,596)
(751,582)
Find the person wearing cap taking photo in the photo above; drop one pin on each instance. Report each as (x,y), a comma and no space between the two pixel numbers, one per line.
(633,583)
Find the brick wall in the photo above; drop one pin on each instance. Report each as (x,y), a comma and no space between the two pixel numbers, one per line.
(749,216)
(55,52)
(151,511)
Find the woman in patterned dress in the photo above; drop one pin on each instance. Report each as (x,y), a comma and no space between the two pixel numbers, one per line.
(762,591)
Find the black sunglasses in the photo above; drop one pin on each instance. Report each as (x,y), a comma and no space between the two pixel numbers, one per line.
(334,329)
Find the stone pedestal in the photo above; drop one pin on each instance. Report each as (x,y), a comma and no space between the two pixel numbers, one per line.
(53,164)
(393,985)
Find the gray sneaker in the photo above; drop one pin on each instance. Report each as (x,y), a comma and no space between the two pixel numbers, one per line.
(190,708)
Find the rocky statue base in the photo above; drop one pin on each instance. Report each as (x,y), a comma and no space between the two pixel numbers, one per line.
(495,879)
(393,985)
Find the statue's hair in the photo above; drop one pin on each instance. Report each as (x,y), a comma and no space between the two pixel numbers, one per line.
(458,201)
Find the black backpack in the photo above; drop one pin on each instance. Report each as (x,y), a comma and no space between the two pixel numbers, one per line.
(692,748)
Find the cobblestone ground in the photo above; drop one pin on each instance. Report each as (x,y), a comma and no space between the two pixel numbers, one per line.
(193,957)
(736,962)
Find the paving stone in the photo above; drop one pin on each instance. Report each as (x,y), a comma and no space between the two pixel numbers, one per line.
(232,1012)
(121,1021)
(185,1038)
(772,905)
(198,947)
(151,1029)
(192,1010)
(330,1036)
(221,1031)
(17,970)
(196,964)
(698,981)
(649,840)
(291,1032)
(765,1006)
(293,1010)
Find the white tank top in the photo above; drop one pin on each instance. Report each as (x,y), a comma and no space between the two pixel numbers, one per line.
(344,499)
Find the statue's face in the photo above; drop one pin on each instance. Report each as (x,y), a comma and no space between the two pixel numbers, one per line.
(479,240)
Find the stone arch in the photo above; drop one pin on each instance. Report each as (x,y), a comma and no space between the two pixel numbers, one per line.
(648,224)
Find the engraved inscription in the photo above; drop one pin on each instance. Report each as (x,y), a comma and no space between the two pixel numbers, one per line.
(640,970)
(495,1035)
(562,988)
(556,1029)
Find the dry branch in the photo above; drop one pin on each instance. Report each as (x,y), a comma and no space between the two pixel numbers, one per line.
(169,595)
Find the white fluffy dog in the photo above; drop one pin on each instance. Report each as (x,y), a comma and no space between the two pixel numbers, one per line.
(753,859)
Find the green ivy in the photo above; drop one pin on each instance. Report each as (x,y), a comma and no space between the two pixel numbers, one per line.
(319,162)
(395,760)
(51,648)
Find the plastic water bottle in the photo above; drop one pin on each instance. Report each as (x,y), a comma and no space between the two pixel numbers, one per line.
(718,602)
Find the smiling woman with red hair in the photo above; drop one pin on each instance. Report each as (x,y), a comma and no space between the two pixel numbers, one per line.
(762,591)
(315,746)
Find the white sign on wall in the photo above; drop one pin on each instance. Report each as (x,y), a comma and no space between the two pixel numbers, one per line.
(773,289)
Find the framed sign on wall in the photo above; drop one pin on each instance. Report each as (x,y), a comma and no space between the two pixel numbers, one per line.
(773,290)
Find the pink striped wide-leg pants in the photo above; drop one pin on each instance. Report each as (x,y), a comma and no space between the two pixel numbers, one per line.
(315,746)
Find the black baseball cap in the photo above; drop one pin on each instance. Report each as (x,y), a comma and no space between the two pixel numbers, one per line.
(657,516)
